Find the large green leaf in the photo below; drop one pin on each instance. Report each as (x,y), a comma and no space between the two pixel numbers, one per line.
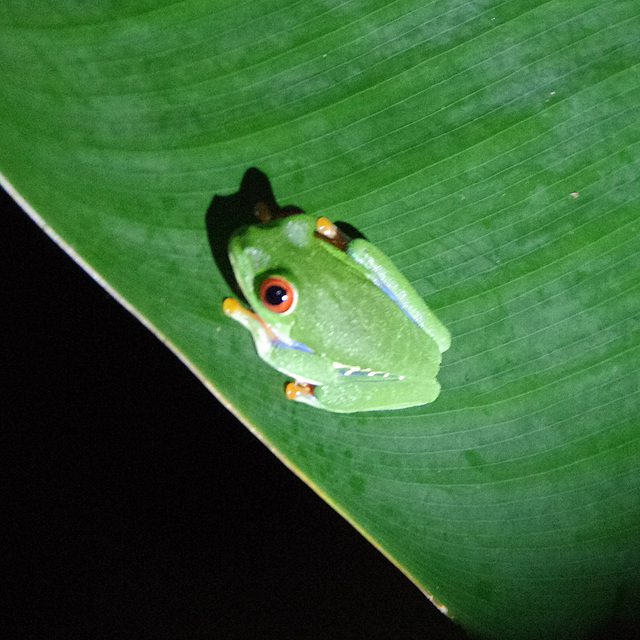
(490,148)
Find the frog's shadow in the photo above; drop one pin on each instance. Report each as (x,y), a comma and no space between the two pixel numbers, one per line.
(227,213)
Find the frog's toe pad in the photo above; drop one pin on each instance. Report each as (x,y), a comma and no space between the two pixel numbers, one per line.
(325,227)
(231,306)
(296,390)
(234,309)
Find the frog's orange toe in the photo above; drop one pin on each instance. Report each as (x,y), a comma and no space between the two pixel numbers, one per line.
(293,389)
(230,306)
(325,227)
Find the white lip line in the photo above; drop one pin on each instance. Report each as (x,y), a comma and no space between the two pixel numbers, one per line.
(35,216)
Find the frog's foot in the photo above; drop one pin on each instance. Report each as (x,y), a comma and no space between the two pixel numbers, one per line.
(264,335)
(264,213)
(247,318)
(232,308)
(328,231)
(293,390)
(301,392)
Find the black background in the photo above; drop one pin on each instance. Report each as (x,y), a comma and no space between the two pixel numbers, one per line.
(135,506)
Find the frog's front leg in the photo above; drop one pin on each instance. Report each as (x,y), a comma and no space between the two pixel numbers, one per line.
(348,396)
(258,328)
(275,348)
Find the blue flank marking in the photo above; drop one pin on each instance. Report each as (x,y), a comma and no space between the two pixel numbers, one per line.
(294,344)
(383,286)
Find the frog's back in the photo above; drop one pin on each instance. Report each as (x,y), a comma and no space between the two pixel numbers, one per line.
(367,329)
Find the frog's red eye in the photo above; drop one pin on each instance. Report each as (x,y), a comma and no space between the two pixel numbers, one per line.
(276,294)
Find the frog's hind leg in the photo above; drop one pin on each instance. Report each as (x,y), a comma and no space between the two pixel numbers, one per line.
(350,397)
(385,275)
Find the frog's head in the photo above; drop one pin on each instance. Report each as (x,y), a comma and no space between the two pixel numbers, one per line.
(299,281)
(268,261)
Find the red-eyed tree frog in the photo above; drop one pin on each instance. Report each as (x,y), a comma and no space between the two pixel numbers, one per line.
(336,315)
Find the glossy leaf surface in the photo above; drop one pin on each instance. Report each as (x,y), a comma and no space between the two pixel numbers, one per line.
(491,149)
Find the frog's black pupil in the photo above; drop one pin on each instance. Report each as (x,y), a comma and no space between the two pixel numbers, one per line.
(275,295)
